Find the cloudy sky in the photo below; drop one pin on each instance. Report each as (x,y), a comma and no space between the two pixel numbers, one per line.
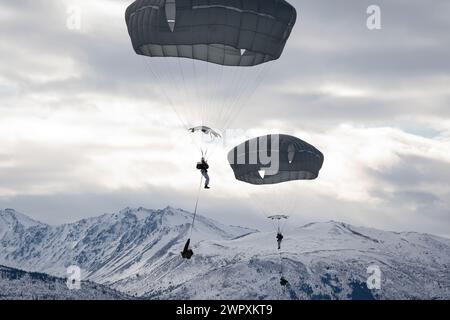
(83,131)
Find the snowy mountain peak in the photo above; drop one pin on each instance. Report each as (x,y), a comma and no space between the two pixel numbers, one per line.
(179,219)
(111,245)
(11,220)
(139,213)
(325,224)
(137,251)
(336,228)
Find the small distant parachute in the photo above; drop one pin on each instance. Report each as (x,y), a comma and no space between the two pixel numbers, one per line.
(206,130)
(278,217)
(279,222)
(295,159)
(272,163)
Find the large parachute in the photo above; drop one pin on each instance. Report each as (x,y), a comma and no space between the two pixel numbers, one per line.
(207,57)
(225,32)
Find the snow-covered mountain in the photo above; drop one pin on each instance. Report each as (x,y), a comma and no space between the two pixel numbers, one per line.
(20,285)
(137,251)
(15,222)
(321,261)
(109,248)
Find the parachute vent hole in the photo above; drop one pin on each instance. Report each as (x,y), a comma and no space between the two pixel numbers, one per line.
(262,173)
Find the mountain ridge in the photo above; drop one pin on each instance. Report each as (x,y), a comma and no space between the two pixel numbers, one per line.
(136,251)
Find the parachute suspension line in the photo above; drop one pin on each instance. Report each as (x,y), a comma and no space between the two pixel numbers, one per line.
(231,92)
(195,73)
(283,225)
(220,104)
(229,107)
(226,71)
(283,288)
(177,79)
(240,105)
(274,224)
(282,292)
(280,200)
(263,72)
(187,98)
(238,80)
(216,80)
(281,264)
(161,80)
(171,75)
(243,79)
(288,201)
(196,206)
(246,81)
(168,100)
(167,70)
(186,92)
(203,77)
(240,90)
(227,94)
(218,86)
(207,106)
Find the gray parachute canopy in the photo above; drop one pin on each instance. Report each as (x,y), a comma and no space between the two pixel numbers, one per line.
(278,217)
(281,157)
(225,32)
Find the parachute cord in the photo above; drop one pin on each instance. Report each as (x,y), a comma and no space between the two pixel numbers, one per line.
(283,288)
(262,73)
(196,205)
(283,225)
(281,292)
(160,78)
(166,96)
(169,101)
(208,94)
(280,252)
(274,224)
(281,263)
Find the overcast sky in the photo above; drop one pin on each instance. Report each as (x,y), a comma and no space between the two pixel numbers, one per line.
(83,131)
